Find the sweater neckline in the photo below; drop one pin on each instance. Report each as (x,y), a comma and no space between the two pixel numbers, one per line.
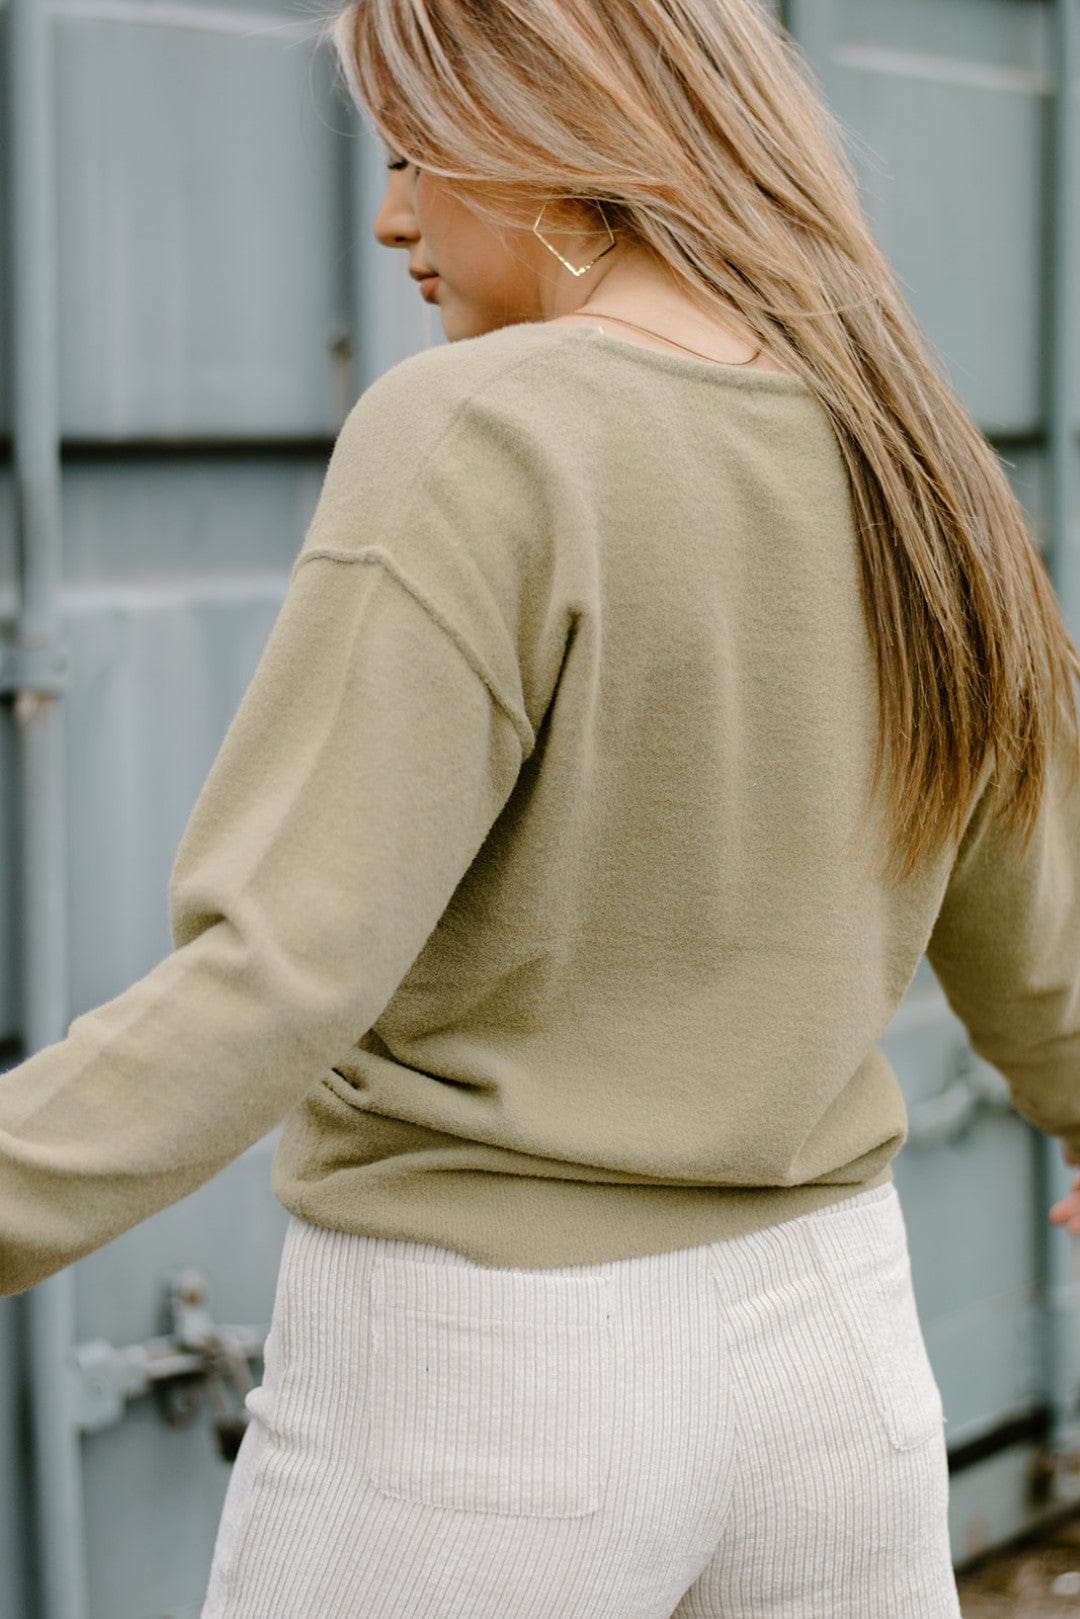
(711,371)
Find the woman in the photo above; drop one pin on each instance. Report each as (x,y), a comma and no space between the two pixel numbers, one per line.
(534,886)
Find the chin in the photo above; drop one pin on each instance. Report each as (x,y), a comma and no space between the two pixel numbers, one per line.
(461,323)
(455,330)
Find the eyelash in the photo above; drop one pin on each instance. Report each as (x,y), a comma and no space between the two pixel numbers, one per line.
(401,163)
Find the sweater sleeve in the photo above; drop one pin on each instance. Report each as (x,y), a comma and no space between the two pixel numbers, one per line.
(358,780)
(1006,949)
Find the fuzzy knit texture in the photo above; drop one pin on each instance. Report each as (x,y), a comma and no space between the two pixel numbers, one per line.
(522,891)
(750,1428)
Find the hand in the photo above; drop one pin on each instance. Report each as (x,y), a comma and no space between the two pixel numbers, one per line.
(1067,1212)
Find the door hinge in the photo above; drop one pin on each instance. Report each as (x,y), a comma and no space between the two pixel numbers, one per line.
(40,669)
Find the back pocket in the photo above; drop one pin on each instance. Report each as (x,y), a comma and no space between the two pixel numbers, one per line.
(491,1390)
(865,1260)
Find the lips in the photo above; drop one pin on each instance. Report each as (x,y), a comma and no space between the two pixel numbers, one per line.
(427,287)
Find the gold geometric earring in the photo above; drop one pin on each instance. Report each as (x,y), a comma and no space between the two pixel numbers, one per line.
(574,270)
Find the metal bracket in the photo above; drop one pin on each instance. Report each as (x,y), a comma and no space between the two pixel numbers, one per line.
(1054,1475)
(971,1088)
(195,1358)
(42,669)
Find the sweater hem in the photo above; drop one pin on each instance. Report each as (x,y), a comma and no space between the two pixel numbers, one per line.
(532,1223)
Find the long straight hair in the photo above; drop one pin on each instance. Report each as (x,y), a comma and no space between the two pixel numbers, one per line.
(698,125)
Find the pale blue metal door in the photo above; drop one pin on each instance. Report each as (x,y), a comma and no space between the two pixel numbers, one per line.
(219,303)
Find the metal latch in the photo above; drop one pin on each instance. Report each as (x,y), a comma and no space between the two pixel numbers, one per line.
(193,1360)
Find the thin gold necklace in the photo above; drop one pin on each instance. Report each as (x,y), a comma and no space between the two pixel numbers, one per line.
(619,319)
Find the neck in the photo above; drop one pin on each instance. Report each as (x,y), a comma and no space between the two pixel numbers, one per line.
(647,295)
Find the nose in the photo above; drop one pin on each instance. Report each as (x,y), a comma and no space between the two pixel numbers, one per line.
(395,222)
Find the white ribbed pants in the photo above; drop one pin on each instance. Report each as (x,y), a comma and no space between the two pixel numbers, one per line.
(746,1430)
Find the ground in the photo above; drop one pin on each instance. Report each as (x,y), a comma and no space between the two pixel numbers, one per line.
(1036,1579)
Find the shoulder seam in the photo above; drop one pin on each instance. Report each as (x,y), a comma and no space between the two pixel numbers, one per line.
(374,554)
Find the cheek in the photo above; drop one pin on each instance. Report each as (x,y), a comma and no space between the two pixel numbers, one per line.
(428,207)
(442,217)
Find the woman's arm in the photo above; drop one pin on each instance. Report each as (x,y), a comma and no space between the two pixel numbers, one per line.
(356,784)
(1006,950)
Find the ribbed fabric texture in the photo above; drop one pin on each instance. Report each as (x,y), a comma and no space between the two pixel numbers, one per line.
(744,1430)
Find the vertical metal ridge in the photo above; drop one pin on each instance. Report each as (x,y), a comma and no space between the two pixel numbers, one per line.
(42,841)
(1063,546)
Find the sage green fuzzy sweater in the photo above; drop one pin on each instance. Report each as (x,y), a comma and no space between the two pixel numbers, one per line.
(518,892)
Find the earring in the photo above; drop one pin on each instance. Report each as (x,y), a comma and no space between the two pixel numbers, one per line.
(574,270)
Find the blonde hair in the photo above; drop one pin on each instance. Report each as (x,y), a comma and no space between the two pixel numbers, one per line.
(698,126)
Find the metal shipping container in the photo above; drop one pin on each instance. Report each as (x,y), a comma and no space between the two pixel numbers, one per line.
(192,299)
